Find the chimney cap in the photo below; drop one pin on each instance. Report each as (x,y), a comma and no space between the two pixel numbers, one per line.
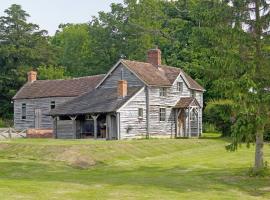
(154,56)
(32,76)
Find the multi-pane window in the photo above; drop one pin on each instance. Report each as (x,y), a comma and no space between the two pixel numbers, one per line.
(162,114)
(163,92)
(193,93)
(180,86)
(24,111)
(140,113)
(52,104)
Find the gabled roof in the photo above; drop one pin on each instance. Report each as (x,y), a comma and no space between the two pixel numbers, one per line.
(58,88)
(100,100)
(161,75)
(186,102)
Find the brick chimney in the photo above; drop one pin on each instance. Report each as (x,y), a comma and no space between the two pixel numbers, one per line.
(154,56)
(32,76)
(122,88)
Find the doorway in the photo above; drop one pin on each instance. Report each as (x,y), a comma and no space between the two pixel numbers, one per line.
(181,124)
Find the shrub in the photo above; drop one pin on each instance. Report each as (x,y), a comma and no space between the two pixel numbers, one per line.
(219,114)
(209,128)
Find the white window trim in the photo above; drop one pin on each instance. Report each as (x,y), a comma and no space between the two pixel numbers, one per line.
(140,117)
(159,114)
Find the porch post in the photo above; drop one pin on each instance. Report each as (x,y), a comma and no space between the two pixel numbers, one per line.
(189,132)
(176,123)
(95,125)
(74,126)
(118,125)
(198,121)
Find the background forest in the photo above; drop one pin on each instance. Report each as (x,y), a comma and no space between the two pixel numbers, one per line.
(223,45)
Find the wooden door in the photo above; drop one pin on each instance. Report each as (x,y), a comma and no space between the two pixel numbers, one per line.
(181,123)
(37,118)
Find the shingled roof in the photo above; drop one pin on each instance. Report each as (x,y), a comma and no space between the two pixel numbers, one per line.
(185,102)
(58,88)
(100,100)
(159,76)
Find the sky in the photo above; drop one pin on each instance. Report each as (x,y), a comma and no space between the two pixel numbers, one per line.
(48,14)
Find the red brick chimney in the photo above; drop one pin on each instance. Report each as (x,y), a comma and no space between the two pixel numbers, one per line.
(154,56)
(122,88)
(32,76)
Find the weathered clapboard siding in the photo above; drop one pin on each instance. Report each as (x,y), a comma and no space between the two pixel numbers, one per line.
(65,129)
(130,124)
(156,101)
(44,104)
(116,75)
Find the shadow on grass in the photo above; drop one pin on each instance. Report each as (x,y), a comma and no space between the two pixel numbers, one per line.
(177,178)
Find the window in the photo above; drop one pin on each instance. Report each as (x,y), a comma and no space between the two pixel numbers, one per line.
(52,104)
(180,86)
(163,92)
(162,114)
(24,111)
(193,93)
(140,113)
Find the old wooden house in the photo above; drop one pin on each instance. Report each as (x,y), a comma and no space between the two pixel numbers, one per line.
(37,98)
(134,99)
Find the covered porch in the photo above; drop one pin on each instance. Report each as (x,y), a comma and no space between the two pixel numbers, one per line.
(87,126)
(187,118)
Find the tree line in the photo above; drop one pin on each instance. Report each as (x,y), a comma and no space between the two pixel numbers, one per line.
(223,44)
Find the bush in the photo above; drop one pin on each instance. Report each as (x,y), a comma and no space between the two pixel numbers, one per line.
(267,133)
(209,128)
(2,124)
(218,113)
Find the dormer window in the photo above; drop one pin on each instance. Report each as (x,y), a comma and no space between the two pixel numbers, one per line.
(163,92)
(180,86)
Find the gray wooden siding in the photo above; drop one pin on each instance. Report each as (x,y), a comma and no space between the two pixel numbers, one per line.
(66,129)
(112,80)
(44,104)
(130,125)
(156,101)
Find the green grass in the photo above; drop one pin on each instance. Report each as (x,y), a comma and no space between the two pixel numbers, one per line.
(138,169)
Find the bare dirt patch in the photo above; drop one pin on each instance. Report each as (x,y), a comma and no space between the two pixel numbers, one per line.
(76,159)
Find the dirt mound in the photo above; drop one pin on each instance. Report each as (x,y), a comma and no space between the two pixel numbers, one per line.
(75,158)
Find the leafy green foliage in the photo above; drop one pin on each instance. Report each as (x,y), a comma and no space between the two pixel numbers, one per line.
(50,72)
(219,113)
(23,47)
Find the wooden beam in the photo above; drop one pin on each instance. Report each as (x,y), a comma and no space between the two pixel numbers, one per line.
(95,125)
(118,126)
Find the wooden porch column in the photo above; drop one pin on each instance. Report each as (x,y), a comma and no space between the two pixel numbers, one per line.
(189,133)
(74,126)
(198,121)
(95,125)
(118,125)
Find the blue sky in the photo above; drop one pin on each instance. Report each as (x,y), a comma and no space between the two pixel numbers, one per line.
(50,13)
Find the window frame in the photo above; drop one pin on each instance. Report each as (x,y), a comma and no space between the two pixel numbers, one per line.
(140,113)
(180,86)
(162,111)
(163,92)
(23,111)
(193,93)
(52,105)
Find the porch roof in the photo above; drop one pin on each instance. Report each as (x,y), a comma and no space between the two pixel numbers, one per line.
(101,100)
(186,102)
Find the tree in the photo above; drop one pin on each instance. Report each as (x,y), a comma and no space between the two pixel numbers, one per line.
(51,72)
(23,47)
(73,42)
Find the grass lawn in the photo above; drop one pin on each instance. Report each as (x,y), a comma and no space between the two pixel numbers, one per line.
(139,169)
